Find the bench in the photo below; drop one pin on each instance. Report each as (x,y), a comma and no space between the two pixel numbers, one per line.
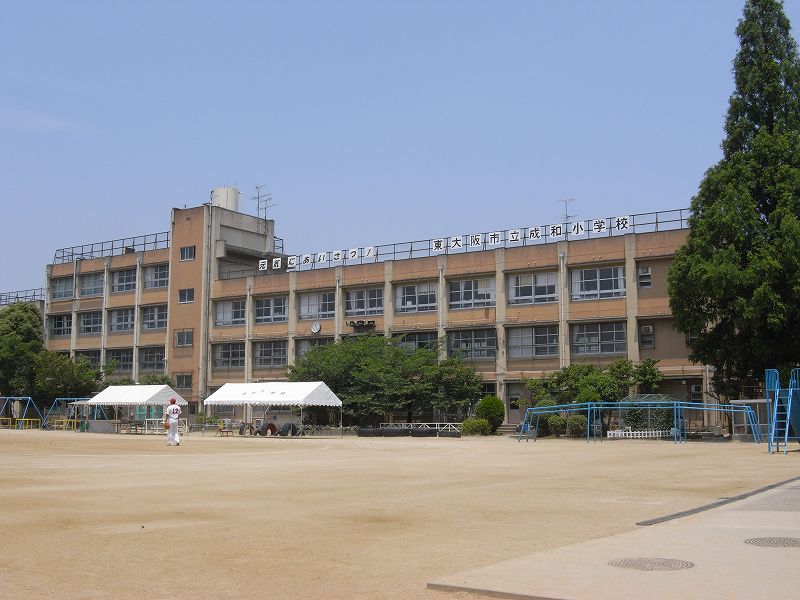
(223,432)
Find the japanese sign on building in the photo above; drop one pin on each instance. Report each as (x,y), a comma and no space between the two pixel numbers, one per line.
(535,234)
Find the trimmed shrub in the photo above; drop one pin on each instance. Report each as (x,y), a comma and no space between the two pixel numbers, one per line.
(474,426)
(557,424)
(493,410)
(576,425)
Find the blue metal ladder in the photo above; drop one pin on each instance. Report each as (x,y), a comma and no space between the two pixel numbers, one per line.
(785,414)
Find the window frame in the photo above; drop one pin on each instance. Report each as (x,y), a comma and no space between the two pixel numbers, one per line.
(469,349)
(611,327)
(324,304)
(266,307)
(277,357)
(87,292)
(178,377)
(644,276)
(63,329)
(234,360)
(230,313)
(540,338)
(476,292)
(416,340)
(161,278)
(414,292)
(177,338)
(647,341)
(95,327)
(122,366)
(145,365)
(537,295)
(120,284)
(62,288)
(115,326)
(90,356)
(184,296)
(145,318)
(584,288)
(363,302)
(184,256)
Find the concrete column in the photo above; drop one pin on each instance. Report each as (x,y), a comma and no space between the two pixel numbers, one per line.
(338,315)
(388,297)
(442,305)
(73,338)
(631,297)
(136,318)
(291,325)
(106,315)
(249,351)
(563,306)
(501,303)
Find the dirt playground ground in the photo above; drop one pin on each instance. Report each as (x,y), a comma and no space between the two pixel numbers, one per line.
(87,516)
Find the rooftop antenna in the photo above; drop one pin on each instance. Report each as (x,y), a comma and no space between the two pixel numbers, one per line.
(263,204)
(567,216)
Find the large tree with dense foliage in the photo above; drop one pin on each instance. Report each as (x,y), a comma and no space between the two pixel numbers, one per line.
(375,376)
(735,285)
(58,376)
(20,343)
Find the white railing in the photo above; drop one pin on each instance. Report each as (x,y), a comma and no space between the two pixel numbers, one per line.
(436,426)
(643,434)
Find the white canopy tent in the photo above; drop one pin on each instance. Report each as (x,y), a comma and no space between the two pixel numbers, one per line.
(136,395)
(299,394)
(143,397)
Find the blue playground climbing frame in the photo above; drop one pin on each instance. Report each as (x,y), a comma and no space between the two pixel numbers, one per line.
(783,409)
(595,411)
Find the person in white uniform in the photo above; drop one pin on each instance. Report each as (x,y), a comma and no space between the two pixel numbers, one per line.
(171,418)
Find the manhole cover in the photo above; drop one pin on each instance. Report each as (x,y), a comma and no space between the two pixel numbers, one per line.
(774,542)
(651,564)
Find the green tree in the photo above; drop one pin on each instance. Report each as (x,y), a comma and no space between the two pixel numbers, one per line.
(647,376)
(735,285)
(157,380)
(457,387)
(375,376)
(493,410)
(58,376)
(20,343)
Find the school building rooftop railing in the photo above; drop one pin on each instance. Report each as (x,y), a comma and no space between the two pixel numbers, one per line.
(33,295)
(488,240)
(151,241)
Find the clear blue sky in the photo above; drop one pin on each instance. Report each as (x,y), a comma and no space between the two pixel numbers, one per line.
(370,122)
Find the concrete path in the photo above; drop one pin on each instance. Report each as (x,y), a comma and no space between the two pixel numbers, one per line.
(722,566)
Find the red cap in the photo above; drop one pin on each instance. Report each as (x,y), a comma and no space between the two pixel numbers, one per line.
(173,400)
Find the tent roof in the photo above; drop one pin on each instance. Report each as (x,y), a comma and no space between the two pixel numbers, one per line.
(274,393)
(136,395)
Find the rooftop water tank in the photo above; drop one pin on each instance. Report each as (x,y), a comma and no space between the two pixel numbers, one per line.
(225,197)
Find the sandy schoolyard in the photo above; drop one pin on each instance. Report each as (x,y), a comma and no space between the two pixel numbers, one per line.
(89,516)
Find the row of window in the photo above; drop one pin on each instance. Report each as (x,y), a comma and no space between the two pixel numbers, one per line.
(474,344)
(531,288)
(421,297)
(119,320)
(151,359)
(124,280)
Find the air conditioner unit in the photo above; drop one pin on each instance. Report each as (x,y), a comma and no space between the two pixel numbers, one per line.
(697,388)
(646,330)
